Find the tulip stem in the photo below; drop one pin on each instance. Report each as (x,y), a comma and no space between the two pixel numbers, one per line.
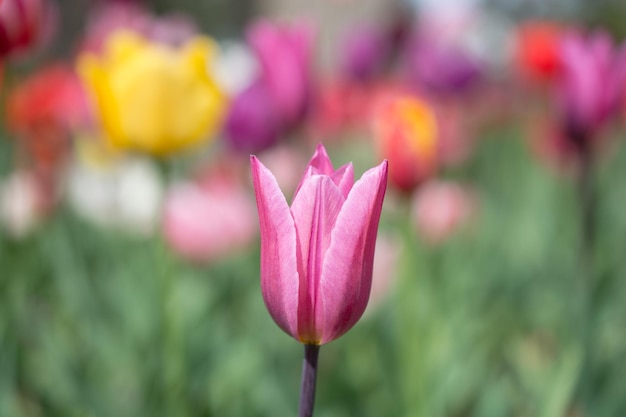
(586,285)
(309,377)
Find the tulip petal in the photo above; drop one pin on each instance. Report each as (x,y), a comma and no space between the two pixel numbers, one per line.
(279,264)
(98,84)
(315,210)
(347,269)
(344,179)
(320,163)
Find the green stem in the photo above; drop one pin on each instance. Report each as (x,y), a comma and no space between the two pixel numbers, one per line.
(586,282)
(172,360)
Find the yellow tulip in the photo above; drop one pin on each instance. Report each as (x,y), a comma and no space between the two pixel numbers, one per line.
(151,97)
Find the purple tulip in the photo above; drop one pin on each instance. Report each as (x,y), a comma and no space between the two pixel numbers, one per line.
(440,67)
(284,54)
(364,53)
(591,84)
(317,255)
(253,123)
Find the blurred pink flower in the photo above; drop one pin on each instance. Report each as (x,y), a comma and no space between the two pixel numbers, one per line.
(253,122)
(441,68)
(22,204)
(317,255)
(591,84)
(285,54)
(341,105)
(455,136)
(364,52)
(278,99)
(204,221)
(441,208)
(23,23)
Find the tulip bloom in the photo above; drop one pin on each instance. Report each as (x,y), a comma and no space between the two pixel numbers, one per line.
(253,123)
(151,97)
(317,255)
(284,54)
(21,24)
(407,134)
(537,49)
(365,53)
(591,84)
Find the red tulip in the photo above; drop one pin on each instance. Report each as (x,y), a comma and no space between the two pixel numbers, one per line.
(537,49)
(317,255)
(21,24)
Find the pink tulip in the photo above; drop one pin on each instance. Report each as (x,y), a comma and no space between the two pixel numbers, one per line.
(317,255)
(591,83)
(208,221)
(284,53)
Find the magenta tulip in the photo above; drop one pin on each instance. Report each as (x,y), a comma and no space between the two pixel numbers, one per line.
(317,255)
(285,53)
(592,82)
(21,24)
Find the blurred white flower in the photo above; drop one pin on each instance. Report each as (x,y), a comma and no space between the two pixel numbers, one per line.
(234,68)
(125,194)
(21,204)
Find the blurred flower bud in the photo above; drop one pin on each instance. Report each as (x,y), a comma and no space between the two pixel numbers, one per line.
(284,54)
(22,23)
(204,222)
(440,208)
(253,123)
(364,53)
(537,49)
(591,84)
(41,111)
(406,132)
(441,68)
